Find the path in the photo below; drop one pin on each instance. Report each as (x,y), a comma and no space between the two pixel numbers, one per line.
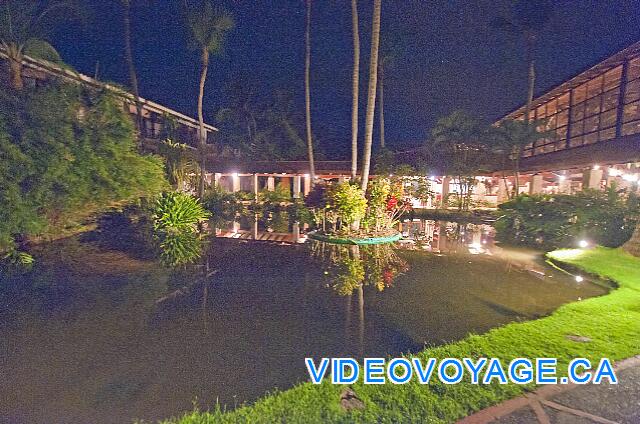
(573,404)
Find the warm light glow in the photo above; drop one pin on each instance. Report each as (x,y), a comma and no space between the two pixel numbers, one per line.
(614,172)
(562,178)
(579,279)
(566,254)
(583,243)
(630,177)
(234,175)
(306,175)
(596,167)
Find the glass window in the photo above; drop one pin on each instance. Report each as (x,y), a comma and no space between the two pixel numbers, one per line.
(552,107)
(591,124)
(575,141)
(632,92)
(579,93)
(594,87)
(540,112)
(633,71)
(577,112)
(612,78)
(610,99)
(561,144)
(563,101)
(591,138)
(549,148)
(551,123)
(608,118)
(561,133)
(593,106)
(562,118)
(631,112)
(608,134)
(577,128)
(631,128)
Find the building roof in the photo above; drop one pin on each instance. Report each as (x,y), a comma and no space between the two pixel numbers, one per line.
(580,78)
(74,76)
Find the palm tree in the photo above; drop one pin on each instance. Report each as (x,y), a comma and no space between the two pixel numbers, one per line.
(528,19)
(307,92)
(459,141)
(128,53)
(371,94)
(510,138)
(208,26)
(384,61)
(24,26)
(355,81)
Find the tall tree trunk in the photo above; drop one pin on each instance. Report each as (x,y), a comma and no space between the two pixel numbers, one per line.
(371,94)
(15,71)
(531,80)
(307,93)
(381,102)
(133,78)
(355,81)
(633,245)
(202,133)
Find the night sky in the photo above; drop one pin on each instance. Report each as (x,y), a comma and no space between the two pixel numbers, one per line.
(447,56)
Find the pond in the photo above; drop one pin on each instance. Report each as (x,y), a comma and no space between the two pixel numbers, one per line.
(96,335)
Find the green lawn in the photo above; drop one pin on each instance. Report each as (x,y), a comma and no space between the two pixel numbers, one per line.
(612,322)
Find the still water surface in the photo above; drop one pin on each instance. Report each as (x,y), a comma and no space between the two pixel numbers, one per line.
(95,335)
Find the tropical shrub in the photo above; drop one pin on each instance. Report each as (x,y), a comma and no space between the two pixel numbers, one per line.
(561,220)
(221,203)
(349,202)
(176,217)
(68,153)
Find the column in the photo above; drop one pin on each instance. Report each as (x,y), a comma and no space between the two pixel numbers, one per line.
(235,182)
(271,183)
(503,191)
(216,179)
(296,186)
(536,184)
(591,178)
(296,232)
(564,184)
(445,191)
(254,186)
(307,184)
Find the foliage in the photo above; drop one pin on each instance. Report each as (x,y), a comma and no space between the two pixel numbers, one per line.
(24,26)
(560,220)
(509,139)
(175,217)
(279,194)
(180,163)
(67,154)
(268,130)
(349,202)
(460,141)
(208,26)
(221,203)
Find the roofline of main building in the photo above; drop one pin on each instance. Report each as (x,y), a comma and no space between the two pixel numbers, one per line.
(74,76)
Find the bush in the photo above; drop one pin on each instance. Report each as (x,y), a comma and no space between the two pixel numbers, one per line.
(222,204)
(606,218)
(67,153)
(176,217)
(349,202)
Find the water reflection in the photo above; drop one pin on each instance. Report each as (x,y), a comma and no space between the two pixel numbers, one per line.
(92,335)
